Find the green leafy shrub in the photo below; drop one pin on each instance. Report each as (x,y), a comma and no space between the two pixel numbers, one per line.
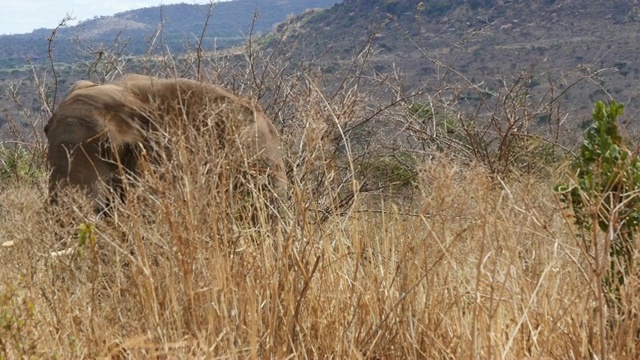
(20,164)
(605,193)
(18,338)
(395,171)
(427,115)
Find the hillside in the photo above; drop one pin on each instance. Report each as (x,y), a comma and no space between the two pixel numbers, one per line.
(181,25)
(554,43)
(583,51)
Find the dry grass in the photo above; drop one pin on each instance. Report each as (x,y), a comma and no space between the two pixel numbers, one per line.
(486,270)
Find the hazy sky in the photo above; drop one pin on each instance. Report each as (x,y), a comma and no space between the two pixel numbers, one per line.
(23,16)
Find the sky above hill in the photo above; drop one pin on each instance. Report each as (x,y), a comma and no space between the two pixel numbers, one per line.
(23,16)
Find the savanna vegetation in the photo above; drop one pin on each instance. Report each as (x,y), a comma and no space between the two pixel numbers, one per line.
(412,228)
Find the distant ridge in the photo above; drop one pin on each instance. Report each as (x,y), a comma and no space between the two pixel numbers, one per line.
(181,24)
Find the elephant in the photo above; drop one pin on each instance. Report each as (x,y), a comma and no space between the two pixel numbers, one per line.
(99,133)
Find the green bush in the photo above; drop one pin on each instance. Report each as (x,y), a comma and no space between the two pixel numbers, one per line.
(19,165)
(392,171)
(604,195)
(18,337)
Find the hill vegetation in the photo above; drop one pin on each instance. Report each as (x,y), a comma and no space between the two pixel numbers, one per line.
(432,44)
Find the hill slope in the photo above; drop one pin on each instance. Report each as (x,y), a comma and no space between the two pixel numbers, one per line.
(488,40)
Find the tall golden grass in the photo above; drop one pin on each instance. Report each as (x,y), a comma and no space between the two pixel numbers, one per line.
(484,270)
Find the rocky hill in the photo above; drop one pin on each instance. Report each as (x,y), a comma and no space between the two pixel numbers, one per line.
(486,42)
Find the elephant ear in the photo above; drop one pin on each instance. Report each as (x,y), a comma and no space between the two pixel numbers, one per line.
(121,113)
(126,119)
(79,85)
